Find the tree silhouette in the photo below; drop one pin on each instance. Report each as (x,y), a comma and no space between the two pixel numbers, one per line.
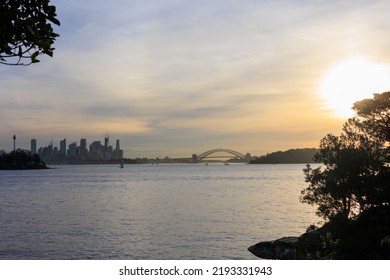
(355,174)
(26,31)
(20,159)
(352,188)
(374,115)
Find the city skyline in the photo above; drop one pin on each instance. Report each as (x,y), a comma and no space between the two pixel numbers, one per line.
(182,77)
(70,150)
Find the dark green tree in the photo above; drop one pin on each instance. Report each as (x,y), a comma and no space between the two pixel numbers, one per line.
(20,159)
(354,176)
(26,31)
(374,115)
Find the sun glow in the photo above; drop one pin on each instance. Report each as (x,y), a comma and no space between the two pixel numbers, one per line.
(353,80)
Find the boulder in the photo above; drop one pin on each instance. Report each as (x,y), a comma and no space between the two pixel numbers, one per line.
(289,248)
(283,249)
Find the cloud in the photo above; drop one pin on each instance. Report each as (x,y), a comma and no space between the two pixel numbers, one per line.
(181,74)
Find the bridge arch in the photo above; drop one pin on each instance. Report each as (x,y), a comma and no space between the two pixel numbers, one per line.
(232,152)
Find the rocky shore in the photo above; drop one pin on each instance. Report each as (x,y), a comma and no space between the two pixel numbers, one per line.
(289,248)
(364,238)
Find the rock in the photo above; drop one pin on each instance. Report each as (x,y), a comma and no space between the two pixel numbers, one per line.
(385,242)
(310,242)
(289,248)
(283,249)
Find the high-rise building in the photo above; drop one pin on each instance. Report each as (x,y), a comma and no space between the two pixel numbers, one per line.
(47,153)
(118,153)
(83,149)
(96,150)
(33,146)
(106,140)
(117,145)
(83,144)
(40,152)
(72,151)
(106,148)
(63,147)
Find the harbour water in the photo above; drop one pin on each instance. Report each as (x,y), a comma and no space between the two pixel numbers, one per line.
(165,211)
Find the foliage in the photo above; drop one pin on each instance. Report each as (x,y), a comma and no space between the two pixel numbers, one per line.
(21,160)
(354,176)
(375,115)
(26,31)
(289,156)
(357,239)
(352,188)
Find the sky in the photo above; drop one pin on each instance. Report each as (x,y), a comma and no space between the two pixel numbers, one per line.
(173,78)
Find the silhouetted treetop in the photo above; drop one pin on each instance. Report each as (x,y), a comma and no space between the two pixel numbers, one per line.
(375,115)
(26,31)
(355,172)
(21,160)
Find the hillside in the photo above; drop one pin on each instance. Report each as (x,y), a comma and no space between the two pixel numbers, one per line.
(289,156)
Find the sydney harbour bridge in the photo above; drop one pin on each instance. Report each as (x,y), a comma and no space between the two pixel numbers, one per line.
(219,154)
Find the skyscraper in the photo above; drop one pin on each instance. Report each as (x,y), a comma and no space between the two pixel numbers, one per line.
(118,153)
(107,149)
(33,146)
(72,150)
(96,150)
(83,148)
(63,147)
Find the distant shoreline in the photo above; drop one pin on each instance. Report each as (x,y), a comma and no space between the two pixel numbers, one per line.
(293,156)
(21,160)
(30,166)
(23,167)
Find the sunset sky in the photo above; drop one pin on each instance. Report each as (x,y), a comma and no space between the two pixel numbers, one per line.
(172,78)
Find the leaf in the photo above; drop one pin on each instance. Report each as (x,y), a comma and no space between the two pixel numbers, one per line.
(49,52)
(34,57)
(54,20)
(31,30)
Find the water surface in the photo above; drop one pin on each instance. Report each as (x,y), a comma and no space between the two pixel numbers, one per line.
(165,211)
